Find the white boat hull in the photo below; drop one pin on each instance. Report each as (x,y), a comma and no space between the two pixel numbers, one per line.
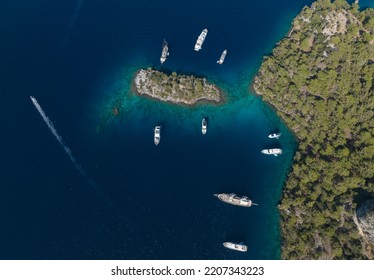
(274,135)
(235,200)
(222,58)
(165,52)
(235,246)
(204,126)
(201,39)
(274,152)
(157,135)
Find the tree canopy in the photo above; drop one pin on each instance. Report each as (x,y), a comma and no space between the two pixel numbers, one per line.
(320,80)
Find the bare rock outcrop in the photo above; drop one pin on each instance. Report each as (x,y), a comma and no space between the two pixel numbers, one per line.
(365,216)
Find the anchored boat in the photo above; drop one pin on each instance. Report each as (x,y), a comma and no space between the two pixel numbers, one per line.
(275,135)
(241,247)
(235,200)
(201,39)
(204,126)
(274,152)
(165,52)
(157,135)
(222,58)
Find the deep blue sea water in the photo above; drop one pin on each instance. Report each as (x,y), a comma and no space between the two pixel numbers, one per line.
(146,202)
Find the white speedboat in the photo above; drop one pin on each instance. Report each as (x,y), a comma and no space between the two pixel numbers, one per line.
(275,135)
(204,126)
(157,135)
(236,246)
(222,58)
(274,152)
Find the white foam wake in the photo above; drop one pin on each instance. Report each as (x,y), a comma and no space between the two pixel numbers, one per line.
(72,21)
(58,137)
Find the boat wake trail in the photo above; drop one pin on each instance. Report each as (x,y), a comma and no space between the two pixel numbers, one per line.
(72,21)
(59,140)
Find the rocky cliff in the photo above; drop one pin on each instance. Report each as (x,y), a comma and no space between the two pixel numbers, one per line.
(365,216)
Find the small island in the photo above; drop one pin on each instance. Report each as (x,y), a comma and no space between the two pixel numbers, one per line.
(178,89)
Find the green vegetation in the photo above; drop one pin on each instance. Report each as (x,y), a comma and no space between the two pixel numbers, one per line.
(175,88)
(320,80)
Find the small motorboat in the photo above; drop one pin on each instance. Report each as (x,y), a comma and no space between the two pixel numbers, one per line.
(204,126)
(222,58)
(275,135)
(165,52)
(157,134)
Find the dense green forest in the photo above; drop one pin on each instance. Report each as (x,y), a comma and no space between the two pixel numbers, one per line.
(319,78)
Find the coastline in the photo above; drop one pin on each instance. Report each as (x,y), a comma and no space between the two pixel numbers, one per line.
(91,79)
(161,111)
(280,84)
(196,102)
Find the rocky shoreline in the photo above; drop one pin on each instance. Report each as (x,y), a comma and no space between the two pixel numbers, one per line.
(174,88)
(317,74)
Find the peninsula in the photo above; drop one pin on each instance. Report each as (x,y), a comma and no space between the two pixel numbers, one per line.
(319,78)
(179,89)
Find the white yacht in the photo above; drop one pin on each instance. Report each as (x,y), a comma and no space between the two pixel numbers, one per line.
(233,199)
(204,126)
(222,58)
(165,52)
(157,135)
(274,152)
(275,135)
(236,246)
(201,39)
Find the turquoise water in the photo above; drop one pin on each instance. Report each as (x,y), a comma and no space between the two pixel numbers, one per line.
(138,201)
(187,168)
(168,189)
(192,167)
